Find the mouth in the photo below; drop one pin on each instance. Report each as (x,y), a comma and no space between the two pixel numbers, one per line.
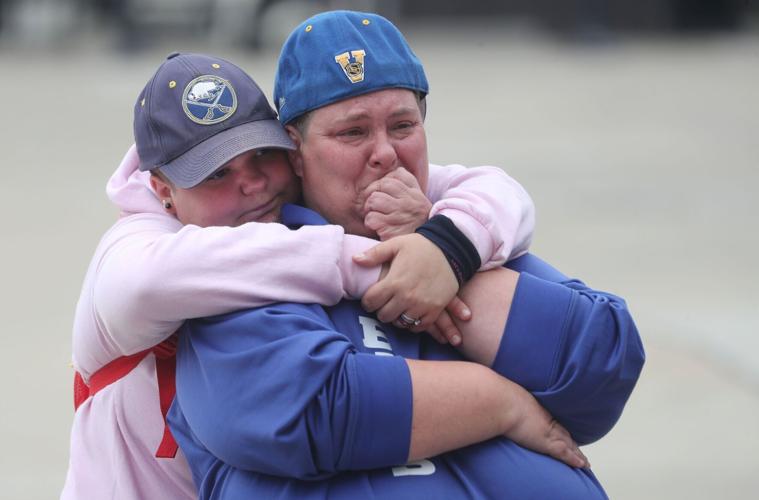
(257,213)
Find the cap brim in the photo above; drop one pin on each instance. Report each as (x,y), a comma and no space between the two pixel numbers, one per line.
(189,169)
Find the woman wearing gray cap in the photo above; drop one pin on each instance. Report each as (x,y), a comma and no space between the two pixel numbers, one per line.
(210,158)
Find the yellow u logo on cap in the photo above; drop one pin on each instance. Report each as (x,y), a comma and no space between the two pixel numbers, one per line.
(353,70)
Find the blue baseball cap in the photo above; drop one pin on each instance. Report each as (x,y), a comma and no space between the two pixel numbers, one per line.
(197,113)
(340,54)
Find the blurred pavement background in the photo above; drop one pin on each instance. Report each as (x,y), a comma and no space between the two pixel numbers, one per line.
(636,135)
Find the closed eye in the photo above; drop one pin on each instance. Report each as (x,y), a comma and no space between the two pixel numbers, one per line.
(263,152)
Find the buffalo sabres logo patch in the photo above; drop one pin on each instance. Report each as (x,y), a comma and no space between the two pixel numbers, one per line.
(353,70)
(209,99)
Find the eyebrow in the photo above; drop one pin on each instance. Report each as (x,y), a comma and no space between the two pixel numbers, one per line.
(362,115)
(403,111)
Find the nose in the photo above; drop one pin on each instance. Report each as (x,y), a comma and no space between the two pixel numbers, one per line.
(251,180)
(383,155)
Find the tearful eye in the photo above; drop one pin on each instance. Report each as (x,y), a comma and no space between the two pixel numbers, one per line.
(404,125)
(351,132)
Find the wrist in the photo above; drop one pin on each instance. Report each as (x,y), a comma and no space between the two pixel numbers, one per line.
(461,255)
(514,405)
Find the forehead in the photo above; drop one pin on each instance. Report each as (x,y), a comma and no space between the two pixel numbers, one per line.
(374,104)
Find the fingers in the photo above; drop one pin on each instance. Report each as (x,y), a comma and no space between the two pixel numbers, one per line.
(581,460)
(389,226)
(392,208)
(562,447)
(404,176)
(437,335)
(377,296)
(393,180)
(458,309)
(389,307)
(377,221)
(376,255)
(409,323)
(391,311)
(419,283)
(381,202)
(445,325)
(575,458)
(392,188)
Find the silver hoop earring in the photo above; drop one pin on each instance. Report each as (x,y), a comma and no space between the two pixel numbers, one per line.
(166,204)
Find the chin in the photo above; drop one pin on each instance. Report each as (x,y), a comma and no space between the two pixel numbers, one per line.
(270,217)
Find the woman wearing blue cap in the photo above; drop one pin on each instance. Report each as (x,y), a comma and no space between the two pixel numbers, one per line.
(306,401)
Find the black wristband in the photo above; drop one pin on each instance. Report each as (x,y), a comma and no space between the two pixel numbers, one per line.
(461,254)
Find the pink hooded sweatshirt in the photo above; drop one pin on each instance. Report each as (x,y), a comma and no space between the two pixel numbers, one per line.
(150,273)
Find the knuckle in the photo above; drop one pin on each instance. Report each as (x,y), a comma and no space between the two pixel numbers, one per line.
(384,316)
(369,301)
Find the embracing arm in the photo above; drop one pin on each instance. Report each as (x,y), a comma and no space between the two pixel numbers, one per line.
(576,349)
(153,273)
(457,403)
(308,405)
(492,209)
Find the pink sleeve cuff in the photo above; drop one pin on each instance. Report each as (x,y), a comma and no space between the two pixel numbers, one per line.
(356,279)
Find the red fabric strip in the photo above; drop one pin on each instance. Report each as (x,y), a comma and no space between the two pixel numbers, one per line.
(166,370)
(165,365)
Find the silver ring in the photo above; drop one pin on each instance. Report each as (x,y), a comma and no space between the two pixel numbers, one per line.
(407,321)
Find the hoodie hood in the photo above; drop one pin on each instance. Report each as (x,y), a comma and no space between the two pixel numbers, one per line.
(129,189)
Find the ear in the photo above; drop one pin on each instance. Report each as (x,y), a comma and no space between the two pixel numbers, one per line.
(295,157)
(164,192)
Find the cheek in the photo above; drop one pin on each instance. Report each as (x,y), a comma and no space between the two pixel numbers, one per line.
(414,158)
(203,209)
(283,177)
(422,177)
(283,182)
(191,210)
(332,178)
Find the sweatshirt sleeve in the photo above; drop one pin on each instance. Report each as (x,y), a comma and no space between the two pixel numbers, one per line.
(493,210)
(576,349)
(153,273)
(278,391)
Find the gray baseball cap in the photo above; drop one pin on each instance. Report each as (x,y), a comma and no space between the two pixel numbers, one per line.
(197,113)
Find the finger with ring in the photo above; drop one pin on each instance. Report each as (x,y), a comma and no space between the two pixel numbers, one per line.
(407,321)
